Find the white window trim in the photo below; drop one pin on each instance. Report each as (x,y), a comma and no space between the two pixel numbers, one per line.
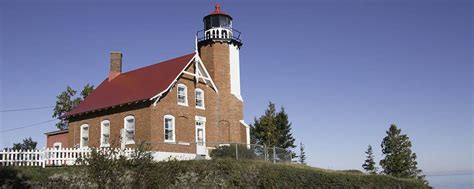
(102,133)
(185,94)
(81,132)
(174,128)
(203,107)
(59,144)
(203,120)
(125,129)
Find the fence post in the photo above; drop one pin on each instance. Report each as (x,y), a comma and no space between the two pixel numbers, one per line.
(236,152)
(265,151)
(274,155)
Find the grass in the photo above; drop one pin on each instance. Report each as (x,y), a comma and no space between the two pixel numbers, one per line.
(231,173)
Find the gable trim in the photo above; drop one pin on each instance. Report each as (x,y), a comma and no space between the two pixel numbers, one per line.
(197,60)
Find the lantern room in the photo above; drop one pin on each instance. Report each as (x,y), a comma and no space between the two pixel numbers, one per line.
(218,26)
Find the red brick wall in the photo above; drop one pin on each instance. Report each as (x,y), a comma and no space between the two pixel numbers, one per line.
(61,137)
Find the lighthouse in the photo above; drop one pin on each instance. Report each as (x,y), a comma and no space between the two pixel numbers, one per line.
(218,45)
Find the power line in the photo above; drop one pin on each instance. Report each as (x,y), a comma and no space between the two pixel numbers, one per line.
(26,126)
(26,109)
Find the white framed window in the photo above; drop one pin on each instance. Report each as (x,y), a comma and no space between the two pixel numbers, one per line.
(84,136)
(57,145)
(105,133)
(199,95)
(129,129)
(182,95)
(169,128)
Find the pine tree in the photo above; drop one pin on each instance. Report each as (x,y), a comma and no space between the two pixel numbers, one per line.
(264,129)
(399,160)
(274,130)
(285,136)
(302,156)
(369,164)
(66,101)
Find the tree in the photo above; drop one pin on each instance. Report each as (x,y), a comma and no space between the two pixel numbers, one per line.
(302,156)
(369,164)
(86,91)
(399,160)
(284,136)
(264,129)
(28,144)
(274,129)
(66,101)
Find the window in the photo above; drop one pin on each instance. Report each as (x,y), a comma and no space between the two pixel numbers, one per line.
(84,135)
(57,145)
(169,128)
(105,133)
(182,95)
(129,129)
(199,98)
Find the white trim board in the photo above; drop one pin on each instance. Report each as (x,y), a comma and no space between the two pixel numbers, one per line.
(199,61)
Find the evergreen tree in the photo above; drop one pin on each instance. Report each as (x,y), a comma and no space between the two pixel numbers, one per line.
(302,157)
(274,129)
(399,160)
(264,130)
(369,164)
(285,136)
(66,101)
(28,144)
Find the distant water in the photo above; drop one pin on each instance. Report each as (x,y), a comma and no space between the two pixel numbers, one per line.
(452,181)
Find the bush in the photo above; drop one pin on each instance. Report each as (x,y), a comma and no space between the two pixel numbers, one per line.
(107,168)
(10,177)
(228,173)
(243,152)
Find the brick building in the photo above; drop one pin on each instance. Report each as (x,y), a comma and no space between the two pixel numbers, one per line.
(185,105)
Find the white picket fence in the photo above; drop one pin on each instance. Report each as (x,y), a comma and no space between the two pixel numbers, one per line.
(49,156)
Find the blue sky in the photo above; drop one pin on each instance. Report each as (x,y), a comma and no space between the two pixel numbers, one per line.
(344,70)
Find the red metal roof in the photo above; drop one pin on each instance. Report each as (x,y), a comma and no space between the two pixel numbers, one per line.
(136,85)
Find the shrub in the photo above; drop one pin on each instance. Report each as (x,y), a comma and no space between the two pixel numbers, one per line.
(108,168)
(243,152)
(10,177)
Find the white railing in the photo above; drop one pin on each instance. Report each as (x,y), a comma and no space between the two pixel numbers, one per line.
(49,156)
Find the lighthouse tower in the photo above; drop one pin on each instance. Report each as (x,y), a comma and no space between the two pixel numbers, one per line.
(218,46)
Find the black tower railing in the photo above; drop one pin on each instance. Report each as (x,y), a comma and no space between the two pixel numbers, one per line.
(201,36)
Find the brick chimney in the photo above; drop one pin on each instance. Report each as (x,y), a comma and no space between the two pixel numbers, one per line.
(115,65)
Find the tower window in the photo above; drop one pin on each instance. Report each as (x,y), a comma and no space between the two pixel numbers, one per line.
(84,136)
(129,129)
(105,133)
(199,94)
(169,130)
(182,95)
